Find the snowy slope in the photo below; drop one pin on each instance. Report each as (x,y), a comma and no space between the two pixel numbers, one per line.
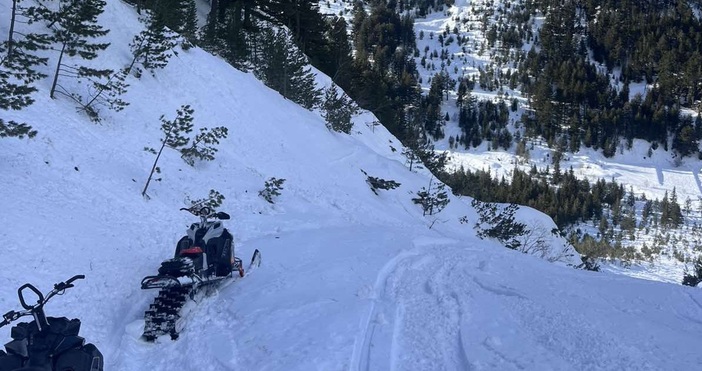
(648,174)
(349,280)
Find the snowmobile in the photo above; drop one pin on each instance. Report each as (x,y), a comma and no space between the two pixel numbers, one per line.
(46,343)
(203,258)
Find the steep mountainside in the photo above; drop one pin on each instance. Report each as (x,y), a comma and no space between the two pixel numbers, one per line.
(350,279)
(617,103)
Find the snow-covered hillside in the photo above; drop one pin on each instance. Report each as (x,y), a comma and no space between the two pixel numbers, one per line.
(454,40)
(350,279)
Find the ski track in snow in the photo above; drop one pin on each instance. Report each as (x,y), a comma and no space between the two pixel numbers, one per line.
(420,319)
(407,285)
(361,358)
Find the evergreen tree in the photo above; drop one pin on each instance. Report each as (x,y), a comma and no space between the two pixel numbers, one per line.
(17,70)
(189,27)
(15,129)
(379,183)
(665,210)
(106,93)
(174,14)
(433,199)
(337,110)
(174,136)
(18,61)
(499,224)
(685,140)
(695,277)
(271,190)
(201,147)
(75,27)
(153,46)
(675,212)
(340,61)
(305,22)
(284,68)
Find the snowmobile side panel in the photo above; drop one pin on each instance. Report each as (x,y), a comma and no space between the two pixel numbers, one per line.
(87,358)
(159,282)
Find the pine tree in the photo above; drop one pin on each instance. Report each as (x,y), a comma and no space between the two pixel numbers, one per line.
(201,147)
(213,201)
(17,70)
(15,129)
(173,137)
(271,190)
(284,68)
(171,12)
(675,212)
(153,46)
(18,61)
(379,183)
(499,224)
(189,27)
(432,199)
(305,22)
(75,27)
(337,110)
(341,59)
(695,277)
(106,93)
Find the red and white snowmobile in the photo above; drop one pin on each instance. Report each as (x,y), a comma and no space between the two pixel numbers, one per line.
(203,259)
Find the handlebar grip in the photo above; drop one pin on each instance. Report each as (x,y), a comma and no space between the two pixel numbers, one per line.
(76,277)
(8,317)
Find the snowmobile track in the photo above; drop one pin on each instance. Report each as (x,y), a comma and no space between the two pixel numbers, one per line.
(167,314)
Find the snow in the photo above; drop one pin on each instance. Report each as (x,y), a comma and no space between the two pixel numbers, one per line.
(349,280)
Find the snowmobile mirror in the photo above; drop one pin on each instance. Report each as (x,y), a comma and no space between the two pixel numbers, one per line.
(222,215)
(20,293)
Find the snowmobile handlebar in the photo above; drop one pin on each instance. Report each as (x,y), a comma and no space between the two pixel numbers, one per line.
(205,212)
(59,289)
(198,211)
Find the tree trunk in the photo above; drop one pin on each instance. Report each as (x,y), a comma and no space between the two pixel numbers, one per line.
(214,14)
(237,17)
(58,68)
(247,14)
(153,168)
(12,30)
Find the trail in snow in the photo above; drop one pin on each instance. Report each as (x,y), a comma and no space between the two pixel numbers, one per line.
(426,303)
(413,310)
(447,308)
(362,352)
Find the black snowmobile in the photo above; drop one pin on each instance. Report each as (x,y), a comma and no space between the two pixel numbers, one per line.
(47,343)
(203,258)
